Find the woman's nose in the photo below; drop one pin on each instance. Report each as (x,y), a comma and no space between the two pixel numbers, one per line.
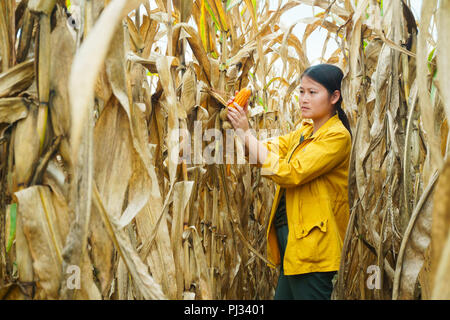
(304,98)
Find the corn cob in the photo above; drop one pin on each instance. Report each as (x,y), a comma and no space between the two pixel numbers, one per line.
(241,98)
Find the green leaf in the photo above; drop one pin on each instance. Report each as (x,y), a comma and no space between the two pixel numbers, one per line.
(270,82)
(261,103)
(12,226)
(68,5)
(430,59)
(211,13)
(431,55)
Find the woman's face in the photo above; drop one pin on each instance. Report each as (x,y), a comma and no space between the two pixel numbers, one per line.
(315,100)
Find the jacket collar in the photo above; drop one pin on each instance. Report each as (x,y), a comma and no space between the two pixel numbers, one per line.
(310,127)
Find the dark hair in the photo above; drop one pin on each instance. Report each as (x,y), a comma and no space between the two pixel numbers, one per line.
(330,77)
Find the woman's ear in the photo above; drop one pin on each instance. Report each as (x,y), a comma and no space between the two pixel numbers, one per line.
(335,96)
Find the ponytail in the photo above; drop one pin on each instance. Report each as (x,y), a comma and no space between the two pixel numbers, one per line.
(343,117)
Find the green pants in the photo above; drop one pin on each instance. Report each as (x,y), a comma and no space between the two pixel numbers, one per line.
(308,286)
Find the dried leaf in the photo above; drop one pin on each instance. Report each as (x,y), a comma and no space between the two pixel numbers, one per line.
(16,79)
(12,109)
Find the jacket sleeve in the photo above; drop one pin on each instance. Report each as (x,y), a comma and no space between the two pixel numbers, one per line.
(278,145)
(319,157)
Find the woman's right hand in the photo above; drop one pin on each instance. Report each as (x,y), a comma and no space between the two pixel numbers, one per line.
(237,115)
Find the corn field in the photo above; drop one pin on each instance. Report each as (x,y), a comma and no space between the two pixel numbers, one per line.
(91,92)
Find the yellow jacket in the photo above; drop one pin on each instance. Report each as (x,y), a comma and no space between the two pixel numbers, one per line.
(313,172)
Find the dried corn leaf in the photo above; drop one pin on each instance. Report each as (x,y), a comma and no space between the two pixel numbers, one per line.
(173,107)
(12,109)
(112,145)
(198,50)
(23,255)
(16,79)
(117,75)
(45,230)
(414,244)
(441,289)
(149,63)
(60,67)
(182,193)
(439,236)
(138,270)
(26,148)
(443,24)
(188,92)
(204,280)
(42,6)
(88,62)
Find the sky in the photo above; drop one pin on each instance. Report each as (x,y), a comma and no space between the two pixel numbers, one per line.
(317,38)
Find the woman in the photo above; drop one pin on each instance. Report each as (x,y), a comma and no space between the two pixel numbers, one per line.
(310,210)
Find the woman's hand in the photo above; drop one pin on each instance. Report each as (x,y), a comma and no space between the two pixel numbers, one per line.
(238,115)
(238,118)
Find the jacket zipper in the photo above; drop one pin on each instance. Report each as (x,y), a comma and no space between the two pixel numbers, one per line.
(301,141)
